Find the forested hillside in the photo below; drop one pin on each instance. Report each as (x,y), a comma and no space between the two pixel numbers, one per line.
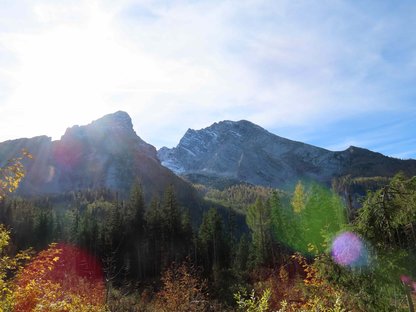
(92,251)
(207,156)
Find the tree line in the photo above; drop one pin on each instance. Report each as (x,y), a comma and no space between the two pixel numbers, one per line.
(152,257)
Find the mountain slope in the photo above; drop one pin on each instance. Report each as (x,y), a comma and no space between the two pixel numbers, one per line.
(230,152)
(106,153)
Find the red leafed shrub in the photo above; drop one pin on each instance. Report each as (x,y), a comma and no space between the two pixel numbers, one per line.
(61,278)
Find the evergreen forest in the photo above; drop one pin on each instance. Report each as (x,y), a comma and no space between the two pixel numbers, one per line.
(252,249)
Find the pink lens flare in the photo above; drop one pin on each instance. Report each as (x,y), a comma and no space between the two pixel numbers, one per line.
(348,249)
(406,279)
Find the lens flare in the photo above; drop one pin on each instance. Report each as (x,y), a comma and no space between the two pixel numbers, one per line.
(61,276)
(349,250)
(304,221)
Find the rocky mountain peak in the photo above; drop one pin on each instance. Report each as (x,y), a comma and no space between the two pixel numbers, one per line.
(113,132)
(241,127)
(245,152)
(241,124)
(232,150)
(222,131)
(117,120)
(106,153)
(352,149)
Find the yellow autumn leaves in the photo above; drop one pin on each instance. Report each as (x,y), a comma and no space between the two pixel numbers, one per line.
(12,173)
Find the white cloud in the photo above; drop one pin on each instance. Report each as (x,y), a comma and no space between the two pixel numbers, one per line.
(174,65)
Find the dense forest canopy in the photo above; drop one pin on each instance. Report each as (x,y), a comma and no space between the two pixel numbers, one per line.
(92,251)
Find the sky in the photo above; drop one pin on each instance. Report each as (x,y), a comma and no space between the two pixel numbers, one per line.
(329,73)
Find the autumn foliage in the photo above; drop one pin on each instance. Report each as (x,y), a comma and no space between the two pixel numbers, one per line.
(252,272)
(182,290)
(61,278)
(12,173)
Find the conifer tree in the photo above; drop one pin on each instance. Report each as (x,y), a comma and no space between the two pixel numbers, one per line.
(137,208)
(43,228)
(135,233)
(172,225)
(299,198)
(259,221)
(214,250)
(242,255)
(153,217)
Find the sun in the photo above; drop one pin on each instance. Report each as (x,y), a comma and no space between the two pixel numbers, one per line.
(75,67)
(65,74)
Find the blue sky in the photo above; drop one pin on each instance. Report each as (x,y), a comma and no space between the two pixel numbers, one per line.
(329,73)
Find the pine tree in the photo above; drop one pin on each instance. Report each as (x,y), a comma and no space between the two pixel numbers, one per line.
(242,255)
(282,224)
(388,215)
(214,250)
(259,221)
(187,235)
(211,238)
(153,217)
(172,225)
(43,228)
(135,234)
(137,208)
(170,211)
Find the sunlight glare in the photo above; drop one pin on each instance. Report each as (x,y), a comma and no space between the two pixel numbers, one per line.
(69,72)
(62,73)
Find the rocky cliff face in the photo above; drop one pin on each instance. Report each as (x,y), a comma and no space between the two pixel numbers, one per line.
(106,153)
(243,151)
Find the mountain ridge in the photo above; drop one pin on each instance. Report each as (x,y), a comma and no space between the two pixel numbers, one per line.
(243,151)
(106,153)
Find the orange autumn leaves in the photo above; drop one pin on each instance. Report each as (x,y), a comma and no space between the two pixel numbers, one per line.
(61,278)
(183,290)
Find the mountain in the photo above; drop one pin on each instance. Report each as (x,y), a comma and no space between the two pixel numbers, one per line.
(106,153)
(230,152)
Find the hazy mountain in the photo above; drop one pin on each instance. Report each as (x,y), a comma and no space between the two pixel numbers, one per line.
(108,153)
(228,152)
(105,153)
